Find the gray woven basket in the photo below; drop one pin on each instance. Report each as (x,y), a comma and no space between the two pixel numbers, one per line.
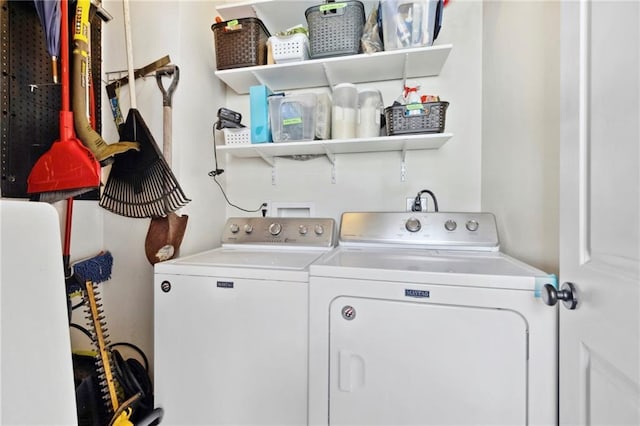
(402,119)
(335,29)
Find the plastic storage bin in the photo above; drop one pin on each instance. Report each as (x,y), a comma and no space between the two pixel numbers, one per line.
(428,117)
(289,48)
(370,109)
(293,117)
(240,136)
(240,43)
(407,23)
(335,28)
(345,111)
(323,116)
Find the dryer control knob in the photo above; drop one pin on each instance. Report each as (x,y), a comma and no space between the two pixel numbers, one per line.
(450,225)
(318,229)
(234,228)
(412,224)
(275,228)
(302,230)
(472,225)
(248,228)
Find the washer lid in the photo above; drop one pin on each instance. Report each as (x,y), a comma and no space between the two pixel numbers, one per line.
(236,260)
(481,269)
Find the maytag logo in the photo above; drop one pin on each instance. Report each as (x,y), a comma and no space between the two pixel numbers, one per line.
(224,284)
(409,292)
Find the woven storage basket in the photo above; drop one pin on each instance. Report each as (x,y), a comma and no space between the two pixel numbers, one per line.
(428,117)
(240,43)
(289,48)
(335,29)
(240,136)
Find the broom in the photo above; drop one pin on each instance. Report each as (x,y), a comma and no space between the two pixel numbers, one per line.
(68,168)
(140,184)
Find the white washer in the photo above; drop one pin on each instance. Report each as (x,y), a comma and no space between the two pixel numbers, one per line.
(231,325)
(419,319)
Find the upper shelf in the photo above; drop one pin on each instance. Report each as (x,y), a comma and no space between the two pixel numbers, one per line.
(388,65)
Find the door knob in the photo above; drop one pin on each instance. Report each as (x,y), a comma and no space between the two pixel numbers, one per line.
(567,293)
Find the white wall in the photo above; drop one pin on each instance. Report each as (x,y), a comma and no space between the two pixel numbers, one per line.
(520,128)
(371,181)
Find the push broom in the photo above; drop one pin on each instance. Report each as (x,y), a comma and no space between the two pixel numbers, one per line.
(140,184)
(68,168)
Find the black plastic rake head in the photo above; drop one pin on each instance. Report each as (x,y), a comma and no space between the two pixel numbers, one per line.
(141,184)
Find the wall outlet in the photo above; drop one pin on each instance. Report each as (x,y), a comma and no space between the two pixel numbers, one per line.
(410,203)
(287,209)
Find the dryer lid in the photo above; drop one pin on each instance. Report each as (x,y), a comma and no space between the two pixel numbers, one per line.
(449,267)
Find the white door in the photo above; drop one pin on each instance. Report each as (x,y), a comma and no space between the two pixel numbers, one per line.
(599,212)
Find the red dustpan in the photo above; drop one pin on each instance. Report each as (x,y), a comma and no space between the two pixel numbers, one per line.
(68,168)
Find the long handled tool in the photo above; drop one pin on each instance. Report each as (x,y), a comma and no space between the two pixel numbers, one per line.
(140,184)
(103,151)
(68,168)
(165,234)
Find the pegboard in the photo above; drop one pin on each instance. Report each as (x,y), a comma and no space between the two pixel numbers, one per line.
(30,101)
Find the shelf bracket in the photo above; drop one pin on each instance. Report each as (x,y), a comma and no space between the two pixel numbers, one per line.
(260,80)
(405,67)
(403,165)
(332,159)
(327,75)
(269,159)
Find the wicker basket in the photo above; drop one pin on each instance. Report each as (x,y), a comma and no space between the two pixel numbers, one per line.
(428,117)
(289,48)
(335,29)
(240,43)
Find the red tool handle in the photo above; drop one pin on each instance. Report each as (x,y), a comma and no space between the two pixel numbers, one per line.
(64,55)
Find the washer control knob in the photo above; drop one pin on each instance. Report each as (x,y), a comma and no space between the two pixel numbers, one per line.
(248,228)
(234,228)
(275,228)
(472,225)
(412,224)
(318,229)
(450,225)
(302,229)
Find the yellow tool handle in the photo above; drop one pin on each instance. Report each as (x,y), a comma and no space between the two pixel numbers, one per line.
(81,24)
(102,349)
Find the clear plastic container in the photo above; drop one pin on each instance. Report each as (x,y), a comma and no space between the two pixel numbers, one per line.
(344,114)
(323,116)
(407,23)
(293,117)
(370,110)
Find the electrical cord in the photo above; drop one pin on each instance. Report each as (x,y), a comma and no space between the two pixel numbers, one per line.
(417,202)
(218,171)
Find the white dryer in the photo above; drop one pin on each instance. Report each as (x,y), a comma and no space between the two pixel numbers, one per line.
(419,319)
(230,325)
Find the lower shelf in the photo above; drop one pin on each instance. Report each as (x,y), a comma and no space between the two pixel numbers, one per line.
(402,143)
